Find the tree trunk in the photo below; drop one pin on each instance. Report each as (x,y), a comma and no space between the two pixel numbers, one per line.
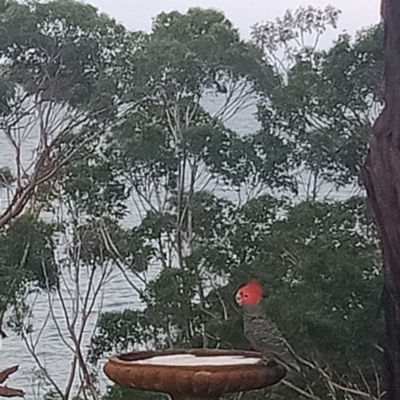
(382,181)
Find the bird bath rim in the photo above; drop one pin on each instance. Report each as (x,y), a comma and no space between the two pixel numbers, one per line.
(140,356)
(205,381)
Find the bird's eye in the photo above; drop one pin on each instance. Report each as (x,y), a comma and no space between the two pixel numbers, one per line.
(246,296)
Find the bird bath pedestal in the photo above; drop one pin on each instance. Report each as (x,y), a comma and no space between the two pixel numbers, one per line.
(192,374)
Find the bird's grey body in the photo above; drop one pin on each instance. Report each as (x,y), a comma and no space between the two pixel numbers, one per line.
(266,338)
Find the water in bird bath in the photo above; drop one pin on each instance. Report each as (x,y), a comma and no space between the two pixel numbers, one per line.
(193,360)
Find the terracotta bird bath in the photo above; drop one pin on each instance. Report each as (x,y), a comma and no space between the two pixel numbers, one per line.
(192,374)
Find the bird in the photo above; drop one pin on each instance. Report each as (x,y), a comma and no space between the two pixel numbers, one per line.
(262,333)
(2,336)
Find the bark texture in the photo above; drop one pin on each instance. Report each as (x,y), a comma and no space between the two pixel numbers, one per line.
(382,181)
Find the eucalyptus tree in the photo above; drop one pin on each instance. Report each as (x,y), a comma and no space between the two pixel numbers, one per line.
(59,94)
(318,260)
(58,88)
(326,100)
(173,154)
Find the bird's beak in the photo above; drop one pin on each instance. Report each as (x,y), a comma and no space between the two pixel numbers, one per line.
(238,299)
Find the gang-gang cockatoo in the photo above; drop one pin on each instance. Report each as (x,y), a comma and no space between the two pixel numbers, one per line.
(262,333)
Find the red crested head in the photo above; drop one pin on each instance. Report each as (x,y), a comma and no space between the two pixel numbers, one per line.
(249,294)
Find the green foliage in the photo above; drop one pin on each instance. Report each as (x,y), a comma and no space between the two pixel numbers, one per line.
(27,247)
(318,261)
(211,44)
(171,307)
(6,178)
(62,50)
(92,182)
(324,105)
(322,258)
(6,90)
(27,260)
(152,151)
(168,132)
(119,330)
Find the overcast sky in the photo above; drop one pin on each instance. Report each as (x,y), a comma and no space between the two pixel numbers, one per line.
(137,14)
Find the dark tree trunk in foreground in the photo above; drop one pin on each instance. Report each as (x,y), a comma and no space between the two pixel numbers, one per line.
(382,180)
